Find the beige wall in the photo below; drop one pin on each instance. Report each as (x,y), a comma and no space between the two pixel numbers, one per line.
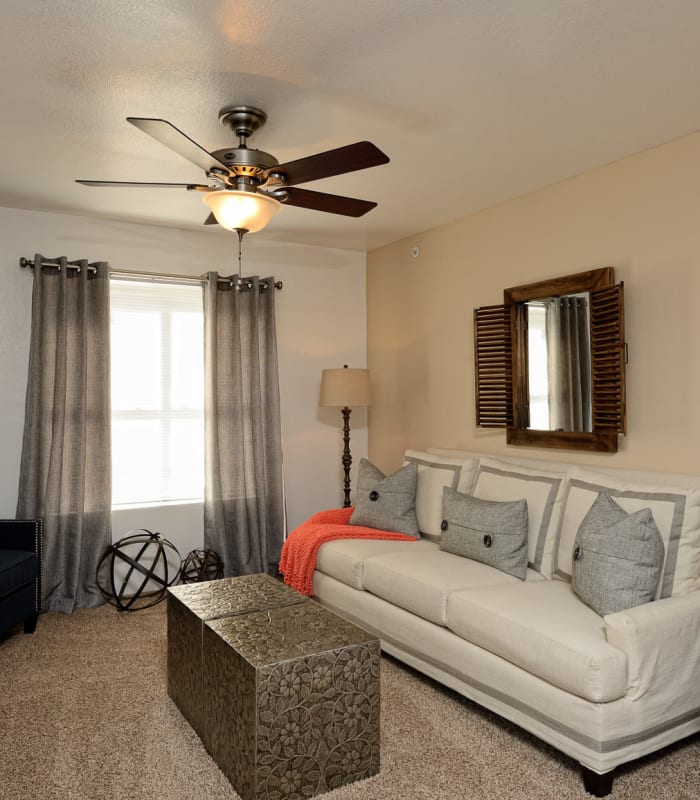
(640,215)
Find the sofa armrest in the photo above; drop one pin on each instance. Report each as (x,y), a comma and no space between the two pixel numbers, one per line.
(662,642)
(21,534)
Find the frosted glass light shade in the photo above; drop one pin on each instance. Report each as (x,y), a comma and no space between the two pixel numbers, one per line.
(248,211)
(345,387)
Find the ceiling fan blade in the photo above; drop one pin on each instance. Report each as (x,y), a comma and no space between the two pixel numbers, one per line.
(210,220)
(190,186)
(166,133)
(331,203)
(360,155)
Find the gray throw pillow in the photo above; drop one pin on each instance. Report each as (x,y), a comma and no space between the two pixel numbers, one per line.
(617,557)
(387,502)
(489,531)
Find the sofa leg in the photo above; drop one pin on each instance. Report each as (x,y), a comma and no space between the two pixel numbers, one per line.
(596,784)
(30,623)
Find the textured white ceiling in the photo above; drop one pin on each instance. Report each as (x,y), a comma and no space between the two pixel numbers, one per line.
(475,101)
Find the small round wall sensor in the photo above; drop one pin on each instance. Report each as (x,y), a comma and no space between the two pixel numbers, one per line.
(415,251)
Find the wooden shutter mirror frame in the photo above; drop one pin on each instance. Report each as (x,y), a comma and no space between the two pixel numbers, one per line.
(493,367)
(498,356)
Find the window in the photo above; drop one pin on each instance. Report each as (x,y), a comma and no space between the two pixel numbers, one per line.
(157,356)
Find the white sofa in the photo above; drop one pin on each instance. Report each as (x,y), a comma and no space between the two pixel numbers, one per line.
(604,690)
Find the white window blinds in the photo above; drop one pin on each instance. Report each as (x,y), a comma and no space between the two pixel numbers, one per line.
(157,368)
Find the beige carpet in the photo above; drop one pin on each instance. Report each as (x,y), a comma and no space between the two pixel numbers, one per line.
(84,714)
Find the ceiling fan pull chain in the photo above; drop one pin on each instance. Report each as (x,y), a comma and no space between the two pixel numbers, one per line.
(241,233)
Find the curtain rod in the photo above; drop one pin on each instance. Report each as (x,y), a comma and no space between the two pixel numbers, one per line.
(150,276)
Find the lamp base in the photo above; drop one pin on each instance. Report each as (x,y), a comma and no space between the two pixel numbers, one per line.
(347,458)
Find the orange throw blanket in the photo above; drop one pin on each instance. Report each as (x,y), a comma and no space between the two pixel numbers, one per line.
(298,560)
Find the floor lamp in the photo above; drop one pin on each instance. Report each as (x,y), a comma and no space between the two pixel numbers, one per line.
(345,388)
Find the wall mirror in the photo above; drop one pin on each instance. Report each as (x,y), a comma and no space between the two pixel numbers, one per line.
(550,363)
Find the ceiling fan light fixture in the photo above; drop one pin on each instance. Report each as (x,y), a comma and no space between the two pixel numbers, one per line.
(237,210)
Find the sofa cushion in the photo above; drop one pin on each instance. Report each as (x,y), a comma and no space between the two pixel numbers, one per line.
(420,582)
(387,502)
(344,559)
(489,531)
(435,472)
(545,629)
(617,557)
(17,567)
(676,510)
(543,490)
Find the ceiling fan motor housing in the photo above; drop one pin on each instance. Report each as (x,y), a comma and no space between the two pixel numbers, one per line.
(245,160)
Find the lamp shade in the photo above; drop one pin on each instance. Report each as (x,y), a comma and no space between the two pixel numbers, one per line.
(345,387)
(247,211)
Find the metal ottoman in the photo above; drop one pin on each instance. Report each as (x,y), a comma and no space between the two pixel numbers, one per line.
(283,693)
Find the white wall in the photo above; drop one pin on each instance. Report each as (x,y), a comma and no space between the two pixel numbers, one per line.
(321,322)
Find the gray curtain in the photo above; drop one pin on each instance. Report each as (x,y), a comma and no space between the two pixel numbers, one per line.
(244,504)
(65,474)
(569,363)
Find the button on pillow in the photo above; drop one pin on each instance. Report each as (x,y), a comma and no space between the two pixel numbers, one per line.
(617,557)
(489,531)
(386,502)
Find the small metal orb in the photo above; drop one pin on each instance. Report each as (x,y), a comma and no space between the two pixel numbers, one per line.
(201,565)
(135,572)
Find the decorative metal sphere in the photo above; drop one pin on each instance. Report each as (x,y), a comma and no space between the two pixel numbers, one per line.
(135,572)
(201,565)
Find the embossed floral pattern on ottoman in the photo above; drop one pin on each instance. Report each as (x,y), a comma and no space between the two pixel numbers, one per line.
(189,605)
(315,680)
(290,700)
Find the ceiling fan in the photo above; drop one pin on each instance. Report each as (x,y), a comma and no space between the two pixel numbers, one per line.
(247,186)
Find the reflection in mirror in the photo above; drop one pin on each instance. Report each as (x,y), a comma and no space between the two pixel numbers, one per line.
(559,363)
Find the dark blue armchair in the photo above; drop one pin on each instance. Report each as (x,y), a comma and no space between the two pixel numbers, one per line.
(20,573)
